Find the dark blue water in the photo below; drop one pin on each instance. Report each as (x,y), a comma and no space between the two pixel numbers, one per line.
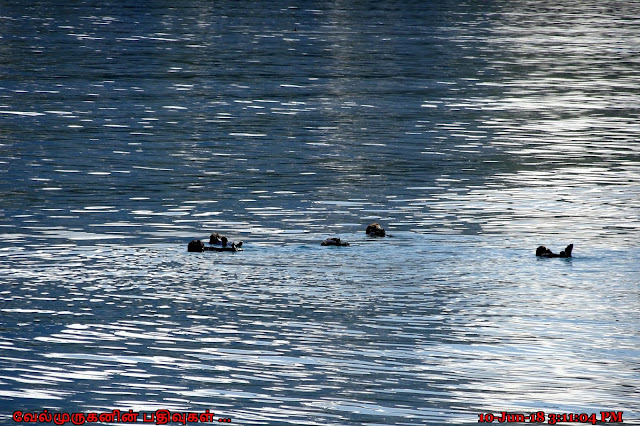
(472,131)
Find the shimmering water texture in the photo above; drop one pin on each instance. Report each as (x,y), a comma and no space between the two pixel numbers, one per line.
(472,131)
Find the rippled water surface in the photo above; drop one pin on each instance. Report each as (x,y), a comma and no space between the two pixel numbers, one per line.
(472,131)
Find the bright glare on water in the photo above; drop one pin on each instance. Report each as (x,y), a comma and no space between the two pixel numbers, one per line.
(472,131)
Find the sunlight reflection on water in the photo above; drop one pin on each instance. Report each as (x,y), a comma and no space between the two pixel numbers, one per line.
(150,325)
(473,132)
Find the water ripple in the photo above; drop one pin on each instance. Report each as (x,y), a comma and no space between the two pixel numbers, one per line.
(473,132)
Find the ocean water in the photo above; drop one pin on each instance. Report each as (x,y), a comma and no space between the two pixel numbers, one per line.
(472,131)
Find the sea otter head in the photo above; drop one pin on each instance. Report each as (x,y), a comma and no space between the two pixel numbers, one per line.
(375,230)
(196,246)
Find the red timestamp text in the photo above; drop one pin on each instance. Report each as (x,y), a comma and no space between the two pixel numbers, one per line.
(552,418)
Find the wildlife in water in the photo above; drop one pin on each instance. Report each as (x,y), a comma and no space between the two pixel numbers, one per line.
(542,251)
(375,230)
(216,239)
(217,243)
(334,242)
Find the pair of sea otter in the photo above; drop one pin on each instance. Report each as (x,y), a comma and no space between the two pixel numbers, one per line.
(217,243)
(373,230)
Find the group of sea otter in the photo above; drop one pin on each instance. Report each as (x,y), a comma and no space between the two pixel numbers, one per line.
(219,243)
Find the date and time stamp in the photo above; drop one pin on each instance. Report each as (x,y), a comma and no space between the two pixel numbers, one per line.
(603,417)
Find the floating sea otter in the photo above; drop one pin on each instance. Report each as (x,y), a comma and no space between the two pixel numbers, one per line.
(195,246)
(217,242)
(334,242)
(375,230)
(542,251)
(198,247)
